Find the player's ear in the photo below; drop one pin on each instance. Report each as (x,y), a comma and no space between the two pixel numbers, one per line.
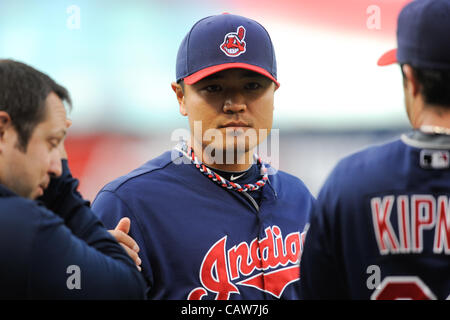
(275,87)
(274,90)
(5,123)
(411,83)
(179,92)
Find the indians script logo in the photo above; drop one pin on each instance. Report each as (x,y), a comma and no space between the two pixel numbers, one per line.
(276,260)
(234,43)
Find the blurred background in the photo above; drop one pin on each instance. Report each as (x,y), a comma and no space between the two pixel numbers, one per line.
(117,59)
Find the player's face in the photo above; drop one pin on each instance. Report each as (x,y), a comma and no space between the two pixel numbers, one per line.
(233,105)
(28,173)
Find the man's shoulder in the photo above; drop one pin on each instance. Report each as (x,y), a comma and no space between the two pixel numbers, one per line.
(22,215)
(284,181)
(148,172)
(371,157)
(17,208)
(286,177)
(365,168)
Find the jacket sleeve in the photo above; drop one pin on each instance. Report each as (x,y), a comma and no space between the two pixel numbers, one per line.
(63,198)
(322,275)
(75,240)
(110,208)
(64,266)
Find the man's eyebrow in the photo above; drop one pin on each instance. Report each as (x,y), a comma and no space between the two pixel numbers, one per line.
(60,133)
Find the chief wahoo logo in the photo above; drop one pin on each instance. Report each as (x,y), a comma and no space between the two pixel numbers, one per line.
(234,44)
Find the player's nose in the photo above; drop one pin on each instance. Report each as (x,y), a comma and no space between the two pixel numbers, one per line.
(234,103)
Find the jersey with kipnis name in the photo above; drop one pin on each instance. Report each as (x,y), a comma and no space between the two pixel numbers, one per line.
(381,227)
(199,240)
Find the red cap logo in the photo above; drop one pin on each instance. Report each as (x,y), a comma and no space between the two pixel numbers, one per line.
(234,43)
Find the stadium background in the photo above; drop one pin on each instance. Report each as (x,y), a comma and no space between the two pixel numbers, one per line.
(117,58)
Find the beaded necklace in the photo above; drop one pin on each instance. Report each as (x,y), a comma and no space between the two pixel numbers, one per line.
(189,152)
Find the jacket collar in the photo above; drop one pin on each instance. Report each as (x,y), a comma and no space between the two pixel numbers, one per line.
(5,192)
(424,140)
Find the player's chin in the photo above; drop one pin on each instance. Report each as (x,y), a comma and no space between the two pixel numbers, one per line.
(239,145)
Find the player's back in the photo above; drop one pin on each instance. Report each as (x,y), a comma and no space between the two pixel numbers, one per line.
(382,224)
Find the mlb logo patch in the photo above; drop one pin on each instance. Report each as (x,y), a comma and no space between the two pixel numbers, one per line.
(434,159)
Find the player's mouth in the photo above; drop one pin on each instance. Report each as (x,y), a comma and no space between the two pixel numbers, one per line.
(235,128)
(236,125)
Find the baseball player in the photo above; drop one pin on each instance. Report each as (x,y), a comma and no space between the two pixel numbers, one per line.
(209,228)
(381,229)
(54,248)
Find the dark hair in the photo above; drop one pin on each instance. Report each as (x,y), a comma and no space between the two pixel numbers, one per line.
(434,85)
(181,83)
(23,91)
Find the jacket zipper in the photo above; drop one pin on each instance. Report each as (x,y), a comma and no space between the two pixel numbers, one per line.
(249,197)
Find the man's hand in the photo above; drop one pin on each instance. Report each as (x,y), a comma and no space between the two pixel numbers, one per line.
(127,242)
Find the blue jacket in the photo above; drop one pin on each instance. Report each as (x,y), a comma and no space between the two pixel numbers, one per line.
(199,240)
(65,253)
(381,229)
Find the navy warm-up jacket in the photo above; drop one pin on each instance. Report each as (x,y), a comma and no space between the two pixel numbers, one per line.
(61,250)
(199,240)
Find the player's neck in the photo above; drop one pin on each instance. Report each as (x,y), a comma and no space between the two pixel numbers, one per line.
(229,167)
(433,116)
(232,162)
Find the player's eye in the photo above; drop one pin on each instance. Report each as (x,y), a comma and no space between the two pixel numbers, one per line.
(54,143)
(252,86)
(212,88)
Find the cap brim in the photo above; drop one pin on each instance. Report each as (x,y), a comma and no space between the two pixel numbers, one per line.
(199,75)
(388,58)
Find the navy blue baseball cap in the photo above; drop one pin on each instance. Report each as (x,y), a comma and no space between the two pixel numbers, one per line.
(423,36)
(223,42)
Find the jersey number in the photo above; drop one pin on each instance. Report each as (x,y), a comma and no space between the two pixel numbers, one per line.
(403,288)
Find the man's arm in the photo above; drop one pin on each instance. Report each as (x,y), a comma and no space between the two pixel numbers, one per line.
(65,266)
(63,198)
(110,208)
(317,269)
(321,276)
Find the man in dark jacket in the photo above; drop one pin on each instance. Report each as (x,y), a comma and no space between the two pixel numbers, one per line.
(381,227)
(51,245)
